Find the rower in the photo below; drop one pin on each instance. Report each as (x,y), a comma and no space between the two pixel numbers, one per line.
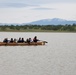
(19,41)
(11,41)
(35,39)
(22,40)
(5,40)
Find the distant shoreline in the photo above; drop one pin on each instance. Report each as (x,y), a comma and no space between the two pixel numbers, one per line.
(43,31)
(38,28)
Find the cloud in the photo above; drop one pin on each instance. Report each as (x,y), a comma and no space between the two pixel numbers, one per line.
(26,3)
(19,12)
(14,5)
(42,8)
(38,1)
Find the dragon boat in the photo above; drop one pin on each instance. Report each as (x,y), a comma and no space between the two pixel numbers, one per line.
(23,44)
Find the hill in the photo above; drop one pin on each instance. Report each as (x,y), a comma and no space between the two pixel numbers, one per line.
(54,21)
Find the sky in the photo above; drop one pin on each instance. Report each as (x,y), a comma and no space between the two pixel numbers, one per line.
(25,11)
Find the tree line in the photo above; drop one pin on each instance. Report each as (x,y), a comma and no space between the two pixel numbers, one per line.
(60,28)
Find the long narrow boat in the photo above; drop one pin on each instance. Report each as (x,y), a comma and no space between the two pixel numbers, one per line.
(22,44)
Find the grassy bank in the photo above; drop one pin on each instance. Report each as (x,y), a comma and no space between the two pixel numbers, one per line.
(38,28)
(33,31)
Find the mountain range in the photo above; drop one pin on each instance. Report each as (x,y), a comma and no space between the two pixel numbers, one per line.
(54,21)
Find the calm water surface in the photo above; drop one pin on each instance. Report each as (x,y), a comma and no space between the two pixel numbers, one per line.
(58,57)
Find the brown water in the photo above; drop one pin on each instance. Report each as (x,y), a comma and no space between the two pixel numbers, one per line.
(58,57)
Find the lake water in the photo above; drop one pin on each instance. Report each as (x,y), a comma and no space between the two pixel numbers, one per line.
(57,57)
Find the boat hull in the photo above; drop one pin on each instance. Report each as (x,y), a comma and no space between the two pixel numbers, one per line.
(22,44)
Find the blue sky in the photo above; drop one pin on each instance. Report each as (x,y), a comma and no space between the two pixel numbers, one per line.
(24,11)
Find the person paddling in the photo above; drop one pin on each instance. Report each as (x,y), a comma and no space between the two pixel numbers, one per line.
(35,39)
(11,41)
(5,40)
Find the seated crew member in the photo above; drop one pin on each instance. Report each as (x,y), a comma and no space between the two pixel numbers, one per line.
(30,40)
(27,40)
(22,40)
(15,40)
(5,40)
(35,39)
(11,41)
(19,41)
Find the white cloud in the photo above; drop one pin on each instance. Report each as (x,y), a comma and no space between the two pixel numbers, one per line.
(38,1)
(27,14)
(15,5)
(43,8)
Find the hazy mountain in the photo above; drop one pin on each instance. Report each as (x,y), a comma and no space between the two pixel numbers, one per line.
(54,21)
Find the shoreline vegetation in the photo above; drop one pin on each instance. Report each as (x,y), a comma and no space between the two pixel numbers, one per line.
(38,28)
